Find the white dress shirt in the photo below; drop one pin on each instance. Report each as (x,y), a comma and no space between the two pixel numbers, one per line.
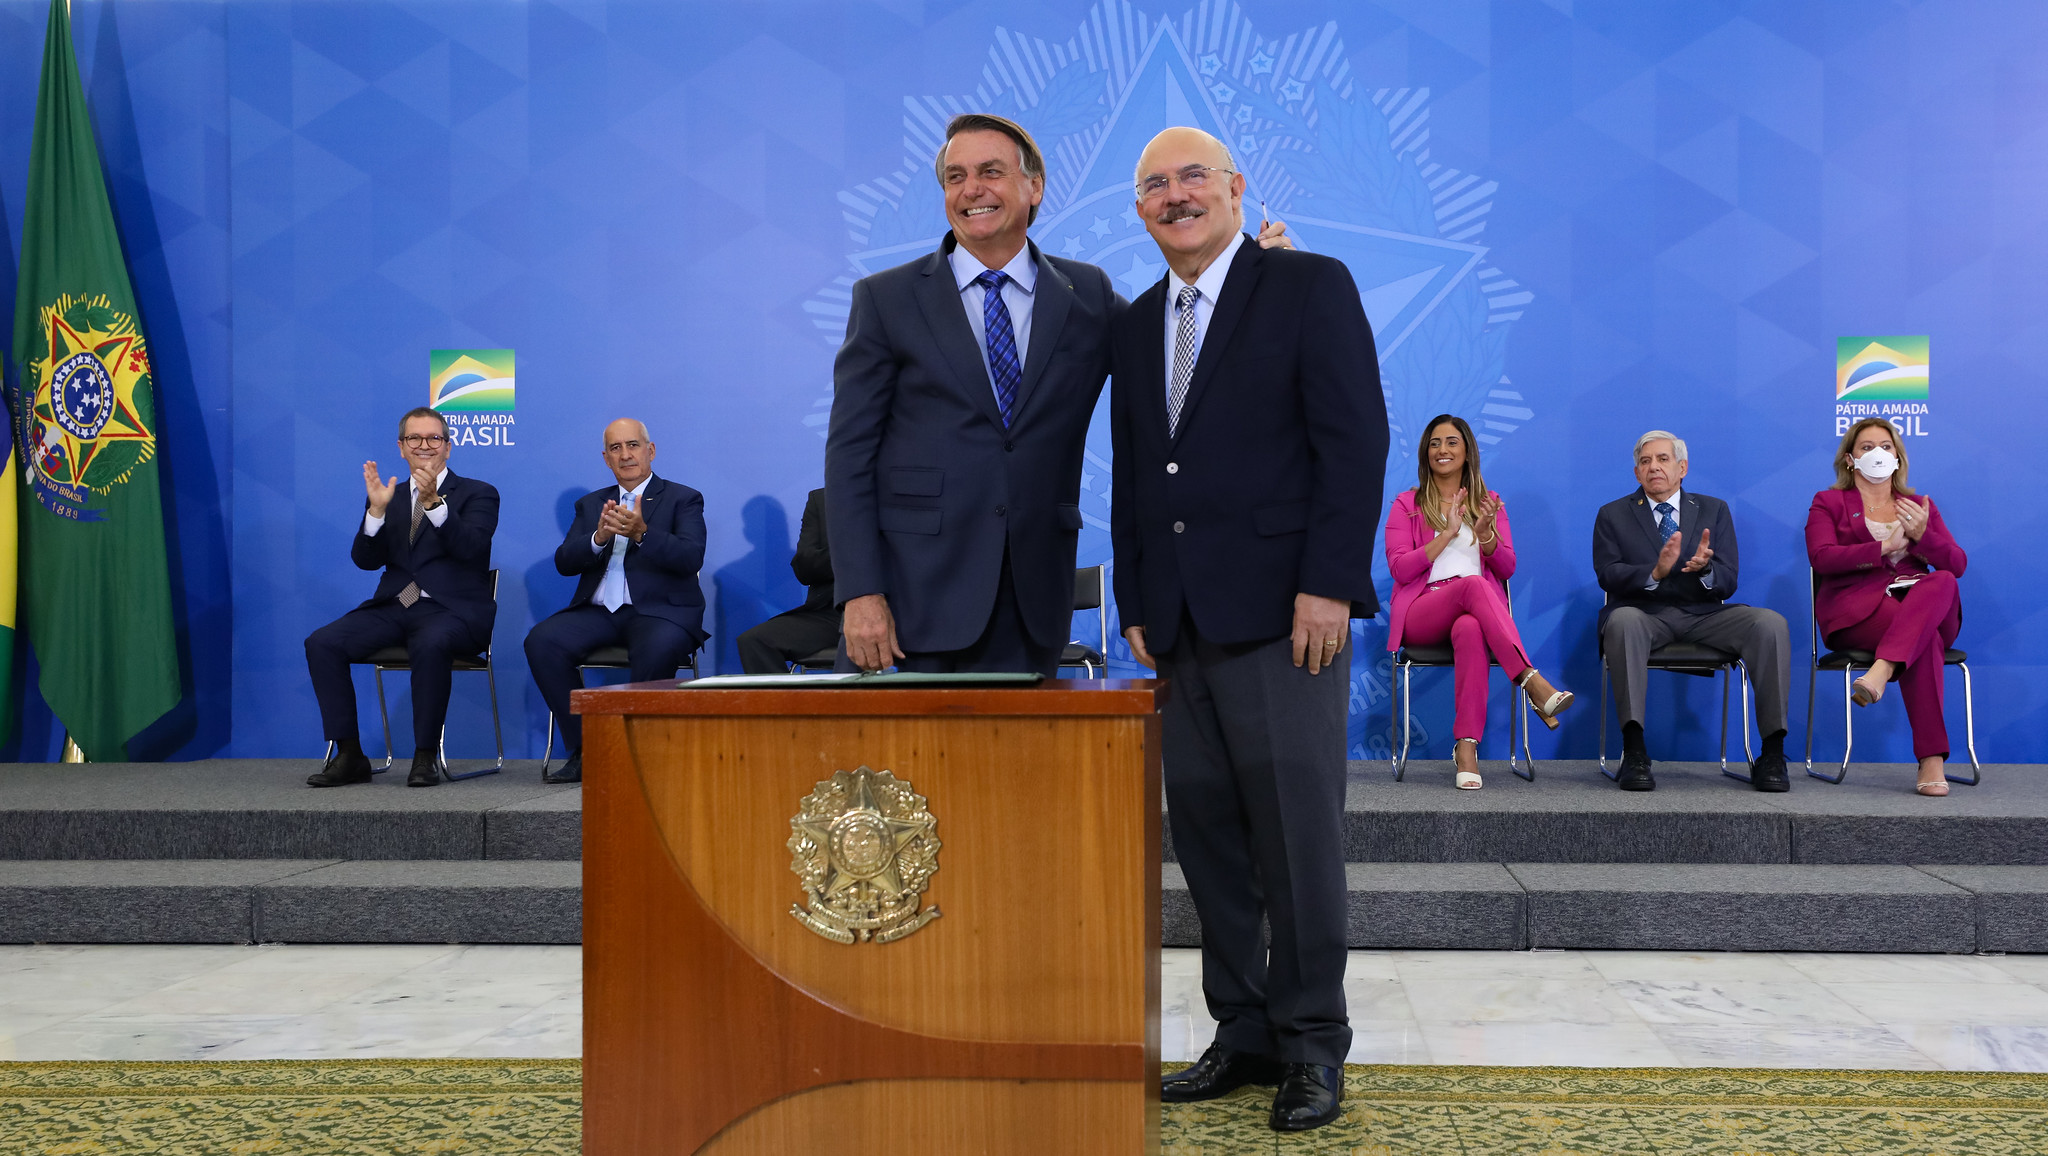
(438,515)
(1210,286)
(1677,501)
(1459,558)
(1017,296)
(612,590)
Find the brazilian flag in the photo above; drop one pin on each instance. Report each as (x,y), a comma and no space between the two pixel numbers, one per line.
(95,587)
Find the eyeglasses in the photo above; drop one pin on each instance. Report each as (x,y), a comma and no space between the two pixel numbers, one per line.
(424,441)
(1193,179)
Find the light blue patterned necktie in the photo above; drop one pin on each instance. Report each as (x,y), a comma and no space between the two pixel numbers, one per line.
(1666,524)
(1003,370)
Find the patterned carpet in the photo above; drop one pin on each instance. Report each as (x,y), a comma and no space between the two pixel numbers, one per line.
(488,1107)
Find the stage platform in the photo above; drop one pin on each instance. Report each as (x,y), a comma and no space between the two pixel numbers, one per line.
(242,851)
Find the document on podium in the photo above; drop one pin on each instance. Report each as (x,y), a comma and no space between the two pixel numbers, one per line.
(861,681)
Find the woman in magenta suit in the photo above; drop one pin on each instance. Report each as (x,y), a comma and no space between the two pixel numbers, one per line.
(1888,568)
(1450,552)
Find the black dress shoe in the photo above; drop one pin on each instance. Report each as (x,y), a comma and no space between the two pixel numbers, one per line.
(1767,773)
(571,770)
(425,771)
(1635,772)
(341,770)
(1310,1097)
(1221,1071)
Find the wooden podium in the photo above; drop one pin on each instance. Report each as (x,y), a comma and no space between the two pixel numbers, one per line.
(1023,1018)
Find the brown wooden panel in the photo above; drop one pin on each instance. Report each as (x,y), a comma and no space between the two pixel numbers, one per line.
(950,1117)
(686,1030)
(1045,878)
(1059,696)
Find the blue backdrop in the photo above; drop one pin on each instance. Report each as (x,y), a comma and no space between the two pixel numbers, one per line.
(1572,221)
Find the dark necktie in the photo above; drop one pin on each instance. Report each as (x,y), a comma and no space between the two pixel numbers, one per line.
(1666,524)
(411,593)
(1003,370)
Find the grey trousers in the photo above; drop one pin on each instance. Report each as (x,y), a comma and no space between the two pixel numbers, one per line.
(1759,636)
(1254,769)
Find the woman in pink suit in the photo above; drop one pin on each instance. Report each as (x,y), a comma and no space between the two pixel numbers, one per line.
(1449,550)
(1888,568)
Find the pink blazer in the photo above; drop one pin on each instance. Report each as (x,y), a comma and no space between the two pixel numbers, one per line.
(1407,533)
(1851,566)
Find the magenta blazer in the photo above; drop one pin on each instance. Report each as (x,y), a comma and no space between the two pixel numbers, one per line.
(1407,533)
(1851,566)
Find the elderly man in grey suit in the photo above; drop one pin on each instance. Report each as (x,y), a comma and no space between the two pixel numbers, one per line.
(1667,559)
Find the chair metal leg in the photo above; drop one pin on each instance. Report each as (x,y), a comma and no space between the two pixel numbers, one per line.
(1407,718)
(1528,757)
(1812,683)
(1848,732)
(1393,722)
(1726,673)
(1969,733)
(1742,680)
(384,713)
(547,751)
(497,729)
(1615,773)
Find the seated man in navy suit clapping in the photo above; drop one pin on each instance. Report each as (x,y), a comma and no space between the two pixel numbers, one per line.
(638,546)
(432,538)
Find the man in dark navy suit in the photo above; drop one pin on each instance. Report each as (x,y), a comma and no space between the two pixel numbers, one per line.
(637,547)
(960,410)
(432,538)
(1666,557)
(793,635)
(1250,442)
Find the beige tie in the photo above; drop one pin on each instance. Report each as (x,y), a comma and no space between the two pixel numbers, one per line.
(411,593)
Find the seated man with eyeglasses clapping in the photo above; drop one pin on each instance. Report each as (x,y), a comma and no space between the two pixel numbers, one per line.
(432,538)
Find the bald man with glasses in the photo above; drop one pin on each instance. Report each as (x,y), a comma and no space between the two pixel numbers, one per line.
(430,533)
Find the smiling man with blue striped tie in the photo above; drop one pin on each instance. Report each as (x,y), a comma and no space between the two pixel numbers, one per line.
(960,410)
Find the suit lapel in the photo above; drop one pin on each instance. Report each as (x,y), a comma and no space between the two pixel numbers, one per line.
(1150,378)
(939,299)
(1052,297)
(1230,306)
(1689,528)
(1647,519)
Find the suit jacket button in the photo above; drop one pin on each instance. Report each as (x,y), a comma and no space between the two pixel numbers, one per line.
(1179,526)
(1002,510)
(1009,447)
(1173,467)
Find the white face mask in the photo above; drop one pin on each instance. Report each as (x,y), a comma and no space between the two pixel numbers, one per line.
(1877,464)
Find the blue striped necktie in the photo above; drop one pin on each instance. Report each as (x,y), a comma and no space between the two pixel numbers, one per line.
(1003,370)
(1666,524)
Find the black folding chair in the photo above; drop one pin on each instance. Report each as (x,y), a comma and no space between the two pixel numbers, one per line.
(1849,662)
(397,660)
(1088,595)
(1408,658)
(1700,662)
(603,658)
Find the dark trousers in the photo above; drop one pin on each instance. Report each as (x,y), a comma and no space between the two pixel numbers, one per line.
(559,643)
(433,637)
(769,647)
(1254,768)
(1758,636)
(1005,645)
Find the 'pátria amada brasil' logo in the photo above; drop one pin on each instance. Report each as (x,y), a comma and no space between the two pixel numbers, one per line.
(88,427)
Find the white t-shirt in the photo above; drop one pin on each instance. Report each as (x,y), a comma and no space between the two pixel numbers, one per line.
(1460,558)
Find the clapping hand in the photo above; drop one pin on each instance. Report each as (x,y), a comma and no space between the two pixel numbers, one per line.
(1912,519)
(1489,510)
(1700,557)
(423,489)
(380,491)
(1666,558)
(1454,518)
(616,519)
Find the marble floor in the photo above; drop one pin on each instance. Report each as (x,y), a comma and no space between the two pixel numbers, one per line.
(1592,1008)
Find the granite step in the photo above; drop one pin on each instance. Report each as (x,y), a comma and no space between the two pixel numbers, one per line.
(1677,907)
(289,901)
